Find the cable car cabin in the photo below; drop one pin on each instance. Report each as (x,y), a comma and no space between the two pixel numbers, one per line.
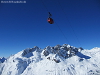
(50,20)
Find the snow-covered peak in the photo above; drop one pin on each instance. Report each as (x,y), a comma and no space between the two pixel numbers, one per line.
(64,51)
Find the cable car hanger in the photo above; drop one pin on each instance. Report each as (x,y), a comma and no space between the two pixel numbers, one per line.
(50,20)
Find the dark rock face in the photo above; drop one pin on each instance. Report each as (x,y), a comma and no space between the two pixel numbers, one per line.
(57,47)
(63,51)
(30,50)
(46,53)
(57,61)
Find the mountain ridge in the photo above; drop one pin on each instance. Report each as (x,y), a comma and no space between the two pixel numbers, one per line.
(57,60)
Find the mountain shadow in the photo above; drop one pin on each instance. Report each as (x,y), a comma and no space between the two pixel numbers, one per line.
(79,54)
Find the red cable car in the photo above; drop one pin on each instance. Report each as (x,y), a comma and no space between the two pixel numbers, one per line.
(50,20)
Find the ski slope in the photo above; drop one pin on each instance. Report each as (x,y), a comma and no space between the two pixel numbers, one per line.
(57,60)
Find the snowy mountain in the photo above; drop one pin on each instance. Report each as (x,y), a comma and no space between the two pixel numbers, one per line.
(57,60)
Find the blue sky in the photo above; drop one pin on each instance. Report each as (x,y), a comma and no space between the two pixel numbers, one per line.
(25,25)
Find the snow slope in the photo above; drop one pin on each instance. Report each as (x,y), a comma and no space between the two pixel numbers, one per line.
(57,60)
